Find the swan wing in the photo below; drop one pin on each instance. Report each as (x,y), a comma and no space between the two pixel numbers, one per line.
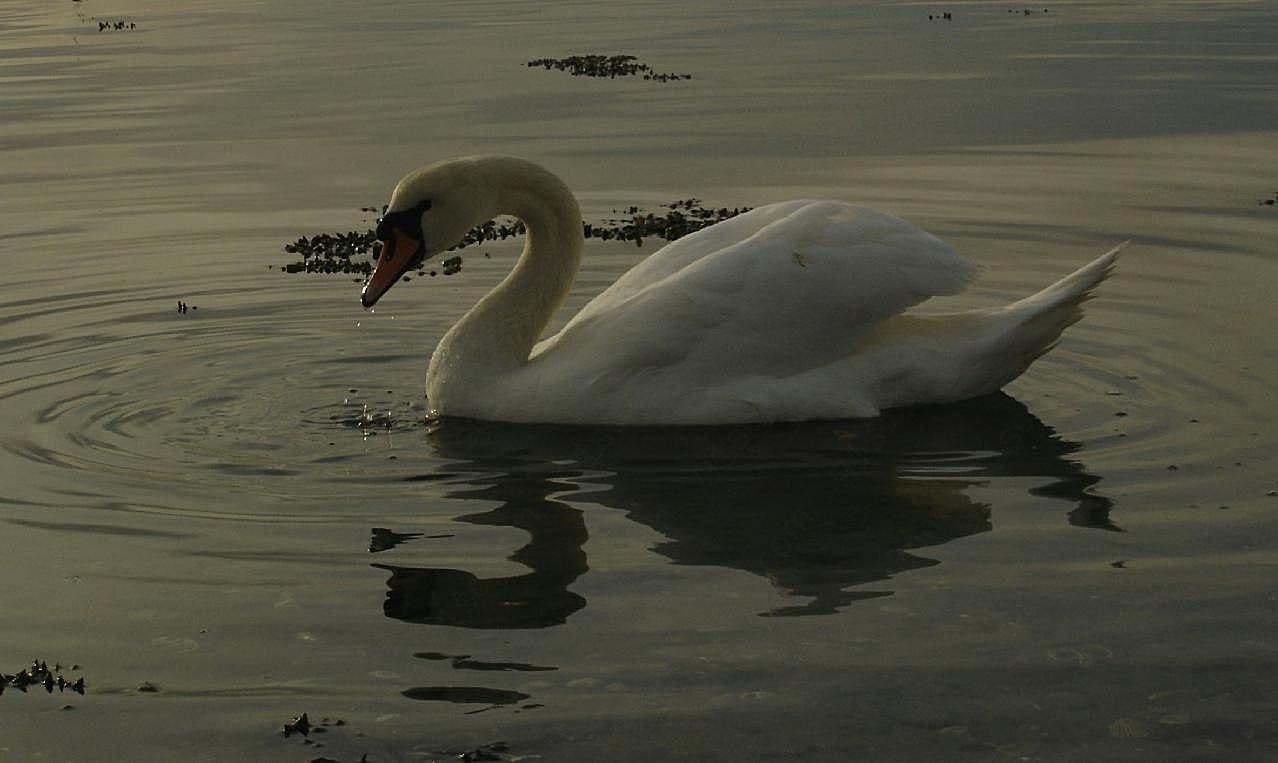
(777,290)
(678,254)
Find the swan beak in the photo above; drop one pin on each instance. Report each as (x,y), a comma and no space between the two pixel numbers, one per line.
(399,255)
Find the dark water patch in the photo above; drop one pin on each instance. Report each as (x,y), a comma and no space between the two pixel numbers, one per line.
(343,360)
(437,477)
(59,303)
(62,407)
(97,529)
(207,581)
(384,539)
(465,695)
(1042,233)
(340,458)
(39,232)
(464,662)
(246,470)
(521,667)
(6,345)
(1030,233)
(283,557)
(1241,213)
(238,692)
(539,598)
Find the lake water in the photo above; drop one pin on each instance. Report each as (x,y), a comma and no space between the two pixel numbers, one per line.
(244,507)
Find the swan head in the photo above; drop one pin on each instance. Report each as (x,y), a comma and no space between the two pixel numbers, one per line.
(430,210)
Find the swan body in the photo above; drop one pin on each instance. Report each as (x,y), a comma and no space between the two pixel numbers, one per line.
(790,312)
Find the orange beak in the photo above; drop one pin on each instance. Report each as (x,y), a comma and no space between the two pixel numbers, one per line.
(399,255)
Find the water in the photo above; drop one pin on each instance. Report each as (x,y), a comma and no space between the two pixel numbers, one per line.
(244,505)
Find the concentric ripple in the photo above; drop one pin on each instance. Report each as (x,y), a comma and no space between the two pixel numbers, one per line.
(115,394)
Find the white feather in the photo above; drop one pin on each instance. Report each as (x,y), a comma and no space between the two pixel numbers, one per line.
(793,311)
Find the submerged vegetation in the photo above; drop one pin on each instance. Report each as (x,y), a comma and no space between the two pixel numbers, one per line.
(345,252)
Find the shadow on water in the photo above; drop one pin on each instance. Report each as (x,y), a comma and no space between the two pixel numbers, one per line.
(817,509)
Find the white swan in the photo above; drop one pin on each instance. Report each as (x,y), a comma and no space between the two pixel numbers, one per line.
(793,311)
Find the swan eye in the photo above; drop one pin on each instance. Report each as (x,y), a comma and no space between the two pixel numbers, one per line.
(406,221)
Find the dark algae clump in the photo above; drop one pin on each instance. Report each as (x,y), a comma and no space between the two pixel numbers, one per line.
(451,265)
(611,67)
(344,252)
(675,221)
(39,674)
(333,253)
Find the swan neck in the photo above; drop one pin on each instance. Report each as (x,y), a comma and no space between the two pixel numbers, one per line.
(501,330)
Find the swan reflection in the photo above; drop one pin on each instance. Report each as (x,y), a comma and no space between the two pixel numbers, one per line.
(827,512)
(534,600)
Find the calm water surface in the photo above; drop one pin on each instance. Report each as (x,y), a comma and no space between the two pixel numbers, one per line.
(245,506)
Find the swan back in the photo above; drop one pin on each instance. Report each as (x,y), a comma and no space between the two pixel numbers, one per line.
(778,289)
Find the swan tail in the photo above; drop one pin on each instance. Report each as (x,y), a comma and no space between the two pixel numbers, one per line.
(1033,325)
(1069,293)
(998,345)
(944,358)
(1040,318)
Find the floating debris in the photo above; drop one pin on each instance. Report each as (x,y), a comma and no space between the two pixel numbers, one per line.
(38,673)
(115,26)
(489,752)
(302,725)
(299,725)
(594,65)
(337,252)
(1271,201)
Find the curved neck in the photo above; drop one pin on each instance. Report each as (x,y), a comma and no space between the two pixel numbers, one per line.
(501,329)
